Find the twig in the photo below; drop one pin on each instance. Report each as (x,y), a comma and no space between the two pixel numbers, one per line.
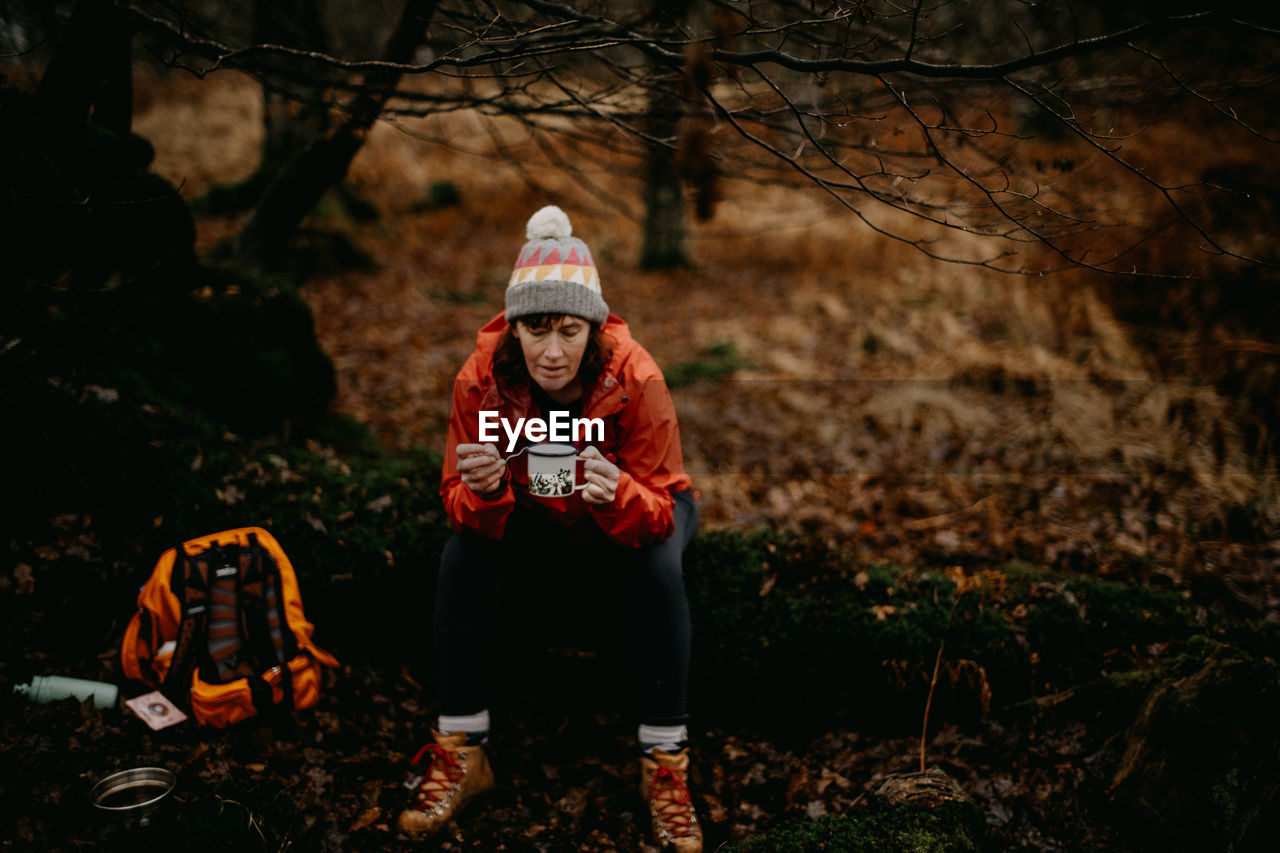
(253,823)
(933,682)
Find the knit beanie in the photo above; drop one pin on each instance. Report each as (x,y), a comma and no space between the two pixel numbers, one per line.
(554,273)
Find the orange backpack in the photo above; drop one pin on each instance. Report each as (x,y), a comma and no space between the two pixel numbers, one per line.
(221,632)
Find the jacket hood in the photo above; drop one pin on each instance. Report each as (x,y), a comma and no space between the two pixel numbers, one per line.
(640,435)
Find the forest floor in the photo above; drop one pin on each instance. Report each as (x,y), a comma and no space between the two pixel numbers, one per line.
(567,778)
(828,382)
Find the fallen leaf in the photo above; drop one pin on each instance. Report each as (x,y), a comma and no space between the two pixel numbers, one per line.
(828,778)
(573,803)
(25,579)
(367,817)
(716,812)
(883,611)
(230,495)
(799,784)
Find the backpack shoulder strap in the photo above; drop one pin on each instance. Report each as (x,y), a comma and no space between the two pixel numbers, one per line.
(190,584)
(258,579)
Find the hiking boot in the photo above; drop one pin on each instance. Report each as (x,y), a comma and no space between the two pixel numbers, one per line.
(664,784)
(455,773)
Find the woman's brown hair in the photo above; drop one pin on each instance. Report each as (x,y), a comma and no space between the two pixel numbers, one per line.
(508,358)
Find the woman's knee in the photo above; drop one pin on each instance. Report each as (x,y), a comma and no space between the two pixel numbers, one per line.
(659,568)
(686,516)
(465,560)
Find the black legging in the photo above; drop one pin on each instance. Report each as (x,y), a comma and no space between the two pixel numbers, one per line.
(652,588)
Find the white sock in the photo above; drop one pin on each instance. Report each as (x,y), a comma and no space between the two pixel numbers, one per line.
(665,738)
(475,725)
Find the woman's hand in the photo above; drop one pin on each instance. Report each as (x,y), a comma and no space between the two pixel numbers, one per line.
(481,468)
(601,476)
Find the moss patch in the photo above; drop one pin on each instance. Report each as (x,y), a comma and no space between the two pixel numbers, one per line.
(949,828)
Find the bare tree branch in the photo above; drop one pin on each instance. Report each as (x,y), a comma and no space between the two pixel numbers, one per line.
(933,110)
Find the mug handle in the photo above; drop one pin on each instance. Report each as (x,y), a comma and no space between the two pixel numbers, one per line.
(576,487)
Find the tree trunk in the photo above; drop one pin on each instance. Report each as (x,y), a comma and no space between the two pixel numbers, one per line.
(665,222)
(664,245)
(289,125)
(290,121)
(325,161)
(90,71)
(1201,763)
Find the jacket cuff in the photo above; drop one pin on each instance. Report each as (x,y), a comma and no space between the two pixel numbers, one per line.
(499,492)
(488,517)
(622,491)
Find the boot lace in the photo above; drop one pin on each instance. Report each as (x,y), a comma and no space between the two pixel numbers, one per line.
(671,803)
(442,775)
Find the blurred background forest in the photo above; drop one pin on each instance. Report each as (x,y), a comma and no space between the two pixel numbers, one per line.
(968,311)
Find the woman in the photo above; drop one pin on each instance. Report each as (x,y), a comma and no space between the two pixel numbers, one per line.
(557,348)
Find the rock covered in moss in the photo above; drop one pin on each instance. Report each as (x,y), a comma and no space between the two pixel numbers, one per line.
(1200,768)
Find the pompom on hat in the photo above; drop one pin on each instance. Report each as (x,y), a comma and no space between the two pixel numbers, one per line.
(555,273)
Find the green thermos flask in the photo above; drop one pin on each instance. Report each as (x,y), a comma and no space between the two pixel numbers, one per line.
(47,688)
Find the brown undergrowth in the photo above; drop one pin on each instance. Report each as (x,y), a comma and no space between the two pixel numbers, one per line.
(828,381)
(907,409)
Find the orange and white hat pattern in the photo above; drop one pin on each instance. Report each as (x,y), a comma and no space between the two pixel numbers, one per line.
(555,273)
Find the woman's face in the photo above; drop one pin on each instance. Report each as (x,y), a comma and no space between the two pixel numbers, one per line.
(553,354)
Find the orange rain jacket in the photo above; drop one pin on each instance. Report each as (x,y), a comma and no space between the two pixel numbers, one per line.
(641,437)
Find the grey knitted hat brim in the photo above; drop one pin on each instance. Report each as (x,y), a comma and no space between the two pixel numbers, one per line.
(555,297)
